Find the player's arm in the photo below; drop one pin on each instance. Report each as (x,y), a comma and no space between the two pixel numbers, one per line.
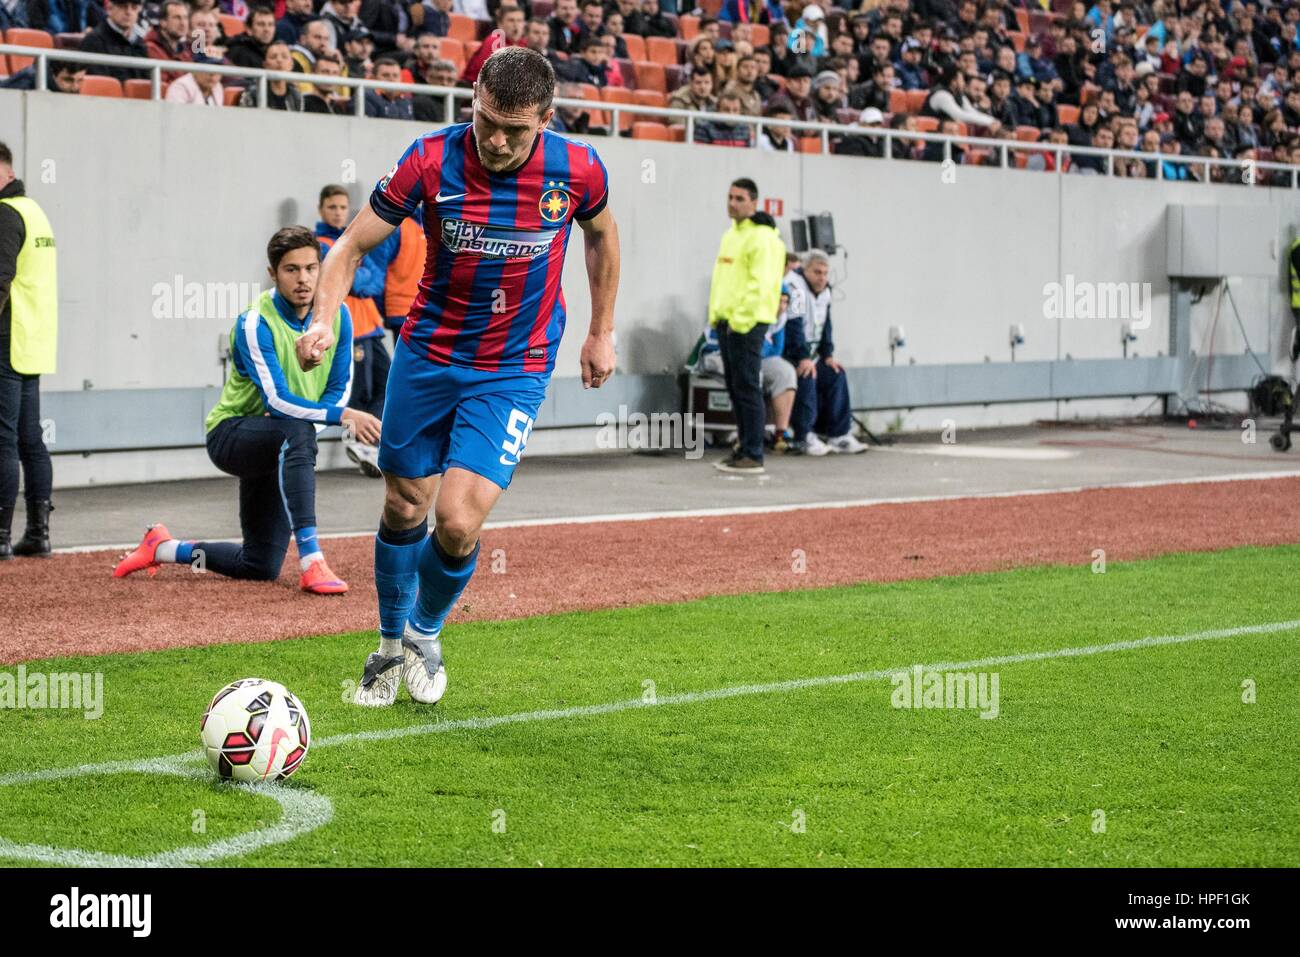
(600,238)
(337,273)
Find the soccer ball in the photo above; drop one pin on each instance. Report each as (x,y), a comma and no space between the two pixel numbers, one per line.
(255,730)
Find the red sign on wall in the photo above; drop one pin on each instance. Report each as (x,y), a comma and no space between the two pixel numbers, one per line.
(774,207)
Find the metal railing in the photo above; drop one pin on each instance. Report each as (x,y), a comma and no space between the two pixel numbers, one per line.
(1003,150)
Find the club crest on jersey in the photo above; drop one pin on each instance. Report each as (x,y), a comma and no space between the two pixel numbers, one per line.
(553,205)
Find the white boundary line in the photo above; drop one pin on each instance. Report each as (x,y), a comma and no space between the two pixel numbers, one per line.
(772,509)
(305,811)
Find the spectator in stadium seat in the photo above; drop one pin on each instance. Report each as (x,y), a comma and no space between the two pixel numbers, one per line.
(721,132)
(875,91)
(423,56)
(828,96)
(908,69)
(901,148)
(589,64)
(795,97)
(872,119)
(327,97)
(249,48)
(313,43)
(697,94)
(764,84)
(1080,131)
(169,40)
(116,35)
(613,70)
(509,32)
(340,19)
(1023,106)
(387,21)
(933,151)
(742,87)
(614,28)
(206,37)
(724,63)
(566,26)
(474,9)
(776,137)
(821,405)
(1188,123)
(61,16)
(948,101)
(198,89)
(593,17)
(358,46)
(744,299)
(432,16)
(60,77)
(297,13)
(537,37)
(1129,139)
(280,94)
(433,109)
(700,57)
(389,104)
(570,119)
(648,21)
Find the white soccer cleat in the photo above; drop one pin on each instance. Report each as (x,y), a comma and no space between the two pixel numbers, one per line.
(423,670)
(380,681)
(813,445)
(846,444)
(365,457)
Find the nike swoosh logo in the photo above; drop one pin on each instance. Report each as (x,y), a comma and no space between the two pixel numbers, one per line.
(439,198)
(280,735)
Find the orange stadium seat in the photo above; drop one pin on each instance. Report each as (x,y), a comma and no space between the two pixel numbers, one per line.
(452,50)
(808,144)
(614,94)
(67,41)
(916,100)
(649,98)
(760,34)
(688,27)
(628,69)
(138,89)
(711,7)
(927,124)
(1022,18)
(231,25)
(471,47)
(101,86)
(635,46)
(662,50)
(21,36)
(650,76)
(898,101)
(677,134)
(649,131)
(598,118)
(232,94)
(463,28)
(1028,134)
(1067,114)
(1017,41)
(4,67)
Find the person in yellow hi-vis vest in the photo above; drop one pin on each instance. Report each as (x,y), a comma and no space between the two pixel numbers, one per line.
(1293,266)
(28,341)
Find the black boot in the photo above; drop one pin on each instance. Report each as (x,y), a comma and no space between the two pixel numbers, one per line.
(6,524)
(36,540)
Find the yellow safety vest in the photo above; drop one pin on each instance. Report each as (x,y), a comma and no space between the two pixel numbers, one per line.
(33,294)
(1295,280)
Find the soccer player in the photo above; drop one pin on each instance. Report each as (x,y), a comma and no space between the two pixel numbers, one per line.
(263,430)
(500,195)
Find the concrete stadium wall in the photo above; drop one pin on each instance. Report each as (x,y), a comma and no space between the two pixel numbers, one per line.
(143,193)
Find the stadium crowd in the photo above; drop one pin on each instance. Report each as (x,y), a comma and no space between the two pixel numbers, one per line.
(1173,78)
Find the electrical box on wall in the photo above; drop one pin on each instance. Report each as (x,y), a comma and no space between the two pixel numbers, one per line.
(1204,242)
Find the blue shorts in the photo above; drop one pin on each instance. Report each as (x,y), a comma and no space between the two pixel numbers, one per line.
(438,417)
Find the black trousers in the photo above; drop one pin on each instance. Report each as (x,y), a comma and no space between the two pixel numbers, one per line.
(275,462)
(21,441)
(370,365)
(742,366)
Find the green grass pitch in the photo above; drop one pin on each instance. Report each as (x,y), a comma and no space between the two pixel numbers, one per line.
(1155,743)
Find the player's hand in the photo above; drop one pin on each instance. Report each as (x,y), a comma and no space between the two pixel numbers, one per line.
(362,426)
(597,360)
(312,346)
(807,369)
(834,364)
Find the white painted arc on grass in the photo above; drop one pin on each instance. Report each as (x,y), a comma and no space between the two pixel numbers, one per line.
(726,511)
(304,811)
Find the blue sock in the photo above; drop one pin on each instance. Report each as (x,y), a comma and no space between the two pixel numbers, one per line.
(306,539)
(184,553)
(397,577)
(442,579)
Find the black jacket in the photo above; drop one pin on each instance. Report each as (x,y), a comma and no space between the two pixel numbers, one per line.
(105,39)
(243,50)
(13,233)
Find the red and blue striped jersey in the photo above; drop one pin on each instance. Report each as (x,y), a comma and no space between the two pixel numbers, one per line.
(490,297)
